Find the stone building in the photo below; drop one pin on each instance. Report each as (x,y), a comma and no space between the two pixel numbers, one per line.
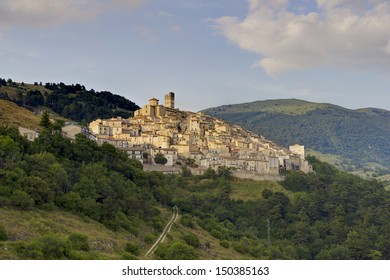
(211,142)
(30,134)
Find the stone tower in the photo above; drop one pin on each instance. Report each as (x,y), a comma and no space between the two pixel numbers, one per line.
(170,100)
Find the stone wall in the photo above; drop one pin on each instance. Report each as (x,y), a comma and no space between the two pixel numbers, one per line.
(257,177)
(162,168)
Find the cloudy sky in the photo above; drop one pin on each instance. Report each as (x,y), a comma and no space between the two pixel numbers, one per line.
(209,52)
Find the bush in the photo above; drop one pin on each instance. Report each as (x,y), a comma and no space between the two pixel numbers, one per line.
(53,247)
(177,251)
(132,248)
(191,239)
(149,238)
(224,244)
(79,241)
(22,200)
(48,247)
(210,173)
(267,193)
(185,172)
(187,220)
(31,251)
(224,172)
(160,159)
(128,256)
(129,224)
(3,233)
(70,200)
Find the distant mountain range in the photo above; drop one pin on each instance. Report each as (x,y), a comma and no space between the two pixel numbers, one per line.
(361,136)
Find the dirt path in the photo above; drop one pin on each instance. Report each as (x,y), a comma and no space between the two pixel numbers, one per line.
(166,230)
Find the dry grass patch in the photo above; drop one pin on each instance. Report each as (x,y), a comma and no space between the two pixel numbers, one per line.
(14,116)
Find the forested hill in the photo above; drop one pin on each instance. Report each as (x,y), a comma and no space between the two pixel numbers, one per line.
(62,199)
(361,135)
(74,102)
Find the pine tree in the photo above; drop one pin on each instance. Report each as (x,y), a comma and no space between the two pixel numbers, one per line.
(45,120)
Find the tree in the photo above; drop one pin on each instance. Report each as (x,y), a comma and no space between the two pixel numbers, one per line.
(3,233)
(9,152)
(132,248)
(185,171)
(53,247)
(267,193)
(190,162)
(34,98)
(22,200)
(209,173)
(178,251)
(160,159)
(45,120)
(224,172)
(79,241)
(191,239)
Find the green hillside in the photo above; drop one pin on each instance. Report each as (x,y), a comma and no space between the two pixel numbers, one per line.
(359,136)
(62,199)
(73,102)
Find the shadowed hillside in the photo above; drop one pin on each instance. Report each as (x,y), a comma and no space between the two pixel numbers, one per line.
(73,102)
(362,135)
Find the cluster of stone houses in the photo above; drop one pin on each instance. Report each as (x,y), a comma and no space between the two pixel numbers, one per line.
(210,142)
(69,130)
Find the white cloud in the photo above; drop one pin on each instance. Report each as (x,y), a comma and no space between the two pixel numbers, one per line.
(339,33)
(47,13)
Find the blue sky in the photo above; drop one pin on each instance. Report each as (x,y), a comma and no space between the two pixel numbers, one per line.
(209,53)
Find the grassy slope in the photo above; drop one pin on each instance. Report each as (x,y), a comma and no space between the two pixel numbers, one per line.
(26,226)
(252,190)
(14,116)
(215,252)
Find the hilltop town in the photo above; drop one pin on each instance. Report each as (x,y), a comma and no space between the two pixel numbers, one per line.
(206,142)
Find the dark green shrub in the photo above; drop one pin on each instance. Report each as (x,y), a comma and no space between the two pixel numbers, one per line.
(22,200)
(132,248)
(53,247)
(31,251)
(191,239)
(149,238)
(187,220)
(185,172)
(160,159)
(210,173)
(267,193)
(3,233)
(176,251)
(128,256)
(225,244)
(79,241)
(181,251)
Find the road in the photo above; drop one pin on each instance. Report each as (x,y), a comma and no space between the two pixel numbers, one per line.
(166,230)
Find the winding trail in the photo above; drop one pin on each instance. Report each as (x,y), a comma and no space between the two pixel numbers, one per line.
(166,230)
